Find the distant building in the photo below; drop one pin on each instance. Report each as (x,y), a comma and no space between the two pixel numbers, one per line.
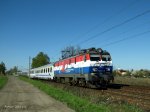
(121,72)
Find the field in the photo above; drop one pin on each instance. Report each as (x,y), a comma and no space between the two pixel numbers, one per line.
(132,81)
(3,81)
(86,100)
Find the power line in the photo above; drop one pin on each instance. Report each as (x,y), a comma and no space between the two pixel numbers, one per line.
(106,20)
(115,26)
(127,38)
(130,29)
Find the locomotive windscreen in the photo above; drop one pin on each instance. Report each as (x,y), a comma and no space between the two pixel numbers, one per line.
(106,58)
(94,57)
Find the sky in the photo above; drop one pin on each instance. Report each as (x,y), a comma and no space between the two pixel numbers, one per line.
(122,27)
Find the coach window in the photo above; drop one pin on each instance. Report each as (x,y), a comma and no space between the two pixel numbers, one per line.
(48,70)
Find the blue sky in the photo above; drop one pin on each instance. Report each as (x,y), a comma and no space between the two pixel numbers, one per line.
(30,26)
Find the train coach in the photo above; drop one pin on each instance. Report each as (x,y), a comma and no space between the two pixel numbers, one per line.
(43,72)
(90,67)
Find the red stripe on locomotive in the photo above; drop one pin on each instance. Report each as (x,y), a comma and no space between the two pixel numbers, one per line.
(75,59)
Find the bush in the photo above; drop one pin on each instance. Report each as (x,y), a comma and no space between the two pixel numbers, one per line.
(3,81)
(142,73)
(134,73)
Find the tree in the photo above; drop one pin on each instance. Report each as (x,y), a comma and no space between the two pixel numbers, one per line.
(40,60)
(13,70)
(2,68)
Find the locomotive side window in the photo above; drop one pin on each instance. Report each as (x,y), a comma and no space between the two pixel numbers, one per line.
(84,58)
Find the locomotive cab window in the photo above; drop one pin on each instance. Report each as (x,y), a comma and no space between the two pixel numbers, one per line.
(106,58)
(94,58)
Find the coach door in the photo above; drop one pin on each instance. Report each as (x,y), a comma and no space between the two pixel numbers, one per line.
(52,72)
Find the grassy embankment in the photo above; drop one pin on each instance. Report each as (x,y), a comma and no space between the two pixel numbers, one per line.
(77,103)
(132,81)
(3,81)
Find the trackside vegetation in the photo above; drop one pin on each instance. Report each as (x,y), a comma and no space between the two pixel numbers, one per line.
(3,81)
(132,81)
(77,103)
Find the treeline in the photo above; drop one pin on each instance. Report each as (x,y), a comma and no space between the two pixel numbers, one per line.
(2,68)
(143,73)
(13,71)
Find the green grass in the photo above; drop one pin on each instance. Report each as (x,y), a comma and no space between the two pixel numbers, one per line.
(3,81)
(77,103)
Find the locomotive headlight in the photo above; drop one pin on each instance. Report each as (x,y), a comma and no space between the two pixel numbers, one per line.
(95,69)
(108,69)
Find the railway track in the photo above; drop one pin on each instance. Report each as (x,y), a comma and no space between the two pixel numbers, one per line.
(142,100)
(136,95)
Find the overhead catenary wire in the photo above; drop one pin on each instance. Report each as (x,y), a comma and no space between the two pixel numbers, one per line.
(129,30)
(126,38)
(106,20)
(118,25)
(115,26)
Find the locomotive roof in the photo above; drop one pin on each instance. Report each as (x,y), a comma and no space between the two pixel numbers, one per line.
(87,51)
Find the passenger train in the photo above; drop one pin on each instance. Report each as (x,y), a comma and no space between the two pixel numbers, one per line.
(89,67)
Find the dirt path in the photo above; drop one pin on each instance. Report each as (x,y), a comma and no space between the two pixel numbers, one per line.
(19,96)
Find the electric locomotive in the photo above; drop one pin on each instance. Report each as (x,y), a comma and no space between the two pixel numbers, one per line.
(90,67)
